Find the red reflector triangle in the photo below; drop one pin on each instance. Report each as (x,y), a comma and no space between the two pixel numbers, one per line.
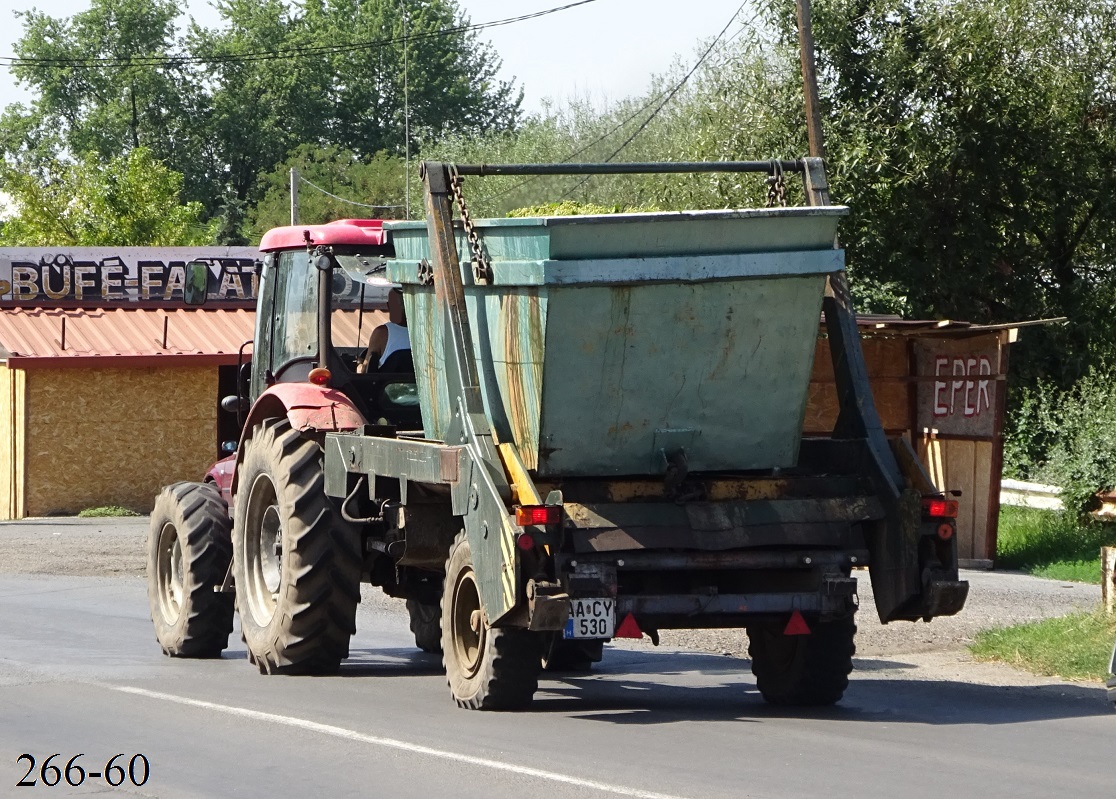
(628,628)
(797,625)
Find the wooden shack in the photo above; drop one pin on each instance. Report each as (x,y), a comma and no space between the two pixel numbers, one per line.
(941,384)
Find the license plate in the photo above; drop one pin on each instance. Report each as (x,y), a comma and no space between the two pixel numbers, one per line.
(591,617)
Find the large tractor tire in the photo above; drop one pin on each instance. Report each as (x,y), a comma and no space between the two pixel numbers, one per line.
(426,624)
(296,562)
(487,668)
(188,554)
(803,670)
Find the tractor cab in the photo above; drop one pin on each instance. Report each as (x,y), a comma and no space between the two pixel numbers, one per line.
(323,291)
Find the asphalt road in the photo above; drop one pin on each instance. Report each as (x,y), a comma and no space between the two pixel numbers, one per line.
(80,673)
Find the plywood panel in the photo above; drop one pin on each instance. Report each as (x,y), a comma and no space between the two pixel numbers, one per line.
(980,498)
(959,458)
(888,367)
(930,453)
(116,436)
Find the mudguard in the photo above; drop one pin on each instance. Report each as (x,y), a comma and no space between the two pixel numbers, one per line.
(309,408)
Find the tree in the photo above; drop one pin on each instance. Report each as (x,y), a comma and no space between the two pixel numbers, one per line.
(224,106)
(975,143)
(133,200)
(377,181)
(96,90)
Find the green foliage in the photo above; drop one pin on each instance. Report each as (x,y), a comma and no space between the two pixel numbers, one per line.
(377,181)
(131,200)
(224,123)
(974,143)
(106,511)
(1074,647)
(571,208)
(1067,438)
(1055,545)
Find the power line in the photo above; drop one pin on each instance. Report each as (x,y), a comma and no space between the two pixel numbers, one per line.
(267,55)
(342,199)
(620,125)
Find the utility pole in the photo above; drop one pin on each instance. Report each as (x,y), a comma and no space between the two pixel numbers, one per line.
(406,116)
(294,195)
(809,78)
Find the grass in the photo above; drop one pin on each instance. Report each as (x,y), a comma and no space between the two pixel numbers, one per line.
(105,511)
(1052,544)
(1055,545)
(1075,647)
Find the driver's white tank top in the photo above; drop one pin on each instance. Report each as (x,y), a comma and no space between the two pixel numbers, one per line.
(398,339)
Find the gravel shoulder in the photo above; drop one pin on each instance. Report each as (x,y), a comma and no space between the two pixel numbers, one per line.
(117,547)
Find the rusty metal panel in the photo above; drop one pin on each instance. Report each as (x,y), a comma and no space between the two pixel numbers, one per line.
(605,342)
(724,365)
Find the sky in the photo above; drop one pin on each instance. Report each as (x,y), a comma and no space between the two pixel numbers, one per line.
(602,51)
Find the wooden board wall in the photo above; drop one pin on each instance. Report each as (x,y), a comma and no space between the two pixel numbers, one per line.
(888,363)
(11,442)
(965,466)
(100,436)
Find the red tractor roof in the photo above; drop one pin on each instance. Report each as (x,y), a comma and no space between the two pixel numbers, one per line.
(354,232)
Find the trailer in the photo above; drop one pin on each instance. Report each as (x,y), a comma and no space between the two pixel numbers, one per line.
(601,438)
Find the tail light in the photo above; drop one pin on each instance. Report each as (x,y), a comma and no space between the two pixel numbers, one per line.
(940,508)
(320,376)
(528,515)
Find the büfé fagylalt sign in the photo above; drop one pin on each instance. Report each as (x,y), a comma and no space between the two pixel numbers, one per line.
(45,276)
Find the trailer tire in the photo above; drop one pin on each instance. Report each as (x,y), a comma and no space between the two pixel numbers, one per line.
(803,670)
(487,668)
(562,655)
(296,562)
(188,553)
(426,624)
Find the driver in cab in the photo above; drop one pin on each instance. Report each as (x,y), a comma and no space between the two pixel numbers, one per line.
(389,339)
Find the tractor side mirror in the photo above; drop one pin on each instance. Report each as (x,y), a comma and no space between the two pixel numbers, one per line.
(234,404)
(196,289)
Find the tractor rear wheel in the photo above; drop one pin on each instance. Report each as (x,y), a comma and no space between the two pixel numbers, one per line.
(487,668)
(803,670)
(188,554)
(296,562)
(426,624)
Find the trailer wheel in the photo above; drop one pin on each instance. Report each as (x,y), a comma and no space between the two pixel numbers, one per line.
(188,554)
(803,669)
(426,624)
(295,561)
(487,668)
(562,655)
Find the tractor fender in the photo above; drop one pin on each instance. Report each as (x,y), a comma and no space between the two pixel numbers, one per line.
(309,408)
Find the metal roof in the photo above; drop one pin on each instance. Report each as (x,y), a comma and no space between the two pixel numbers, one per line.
(33,337)
(36,337)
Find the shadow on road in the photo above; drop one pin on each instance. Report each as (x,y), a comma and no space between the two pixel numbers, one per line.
(649,688)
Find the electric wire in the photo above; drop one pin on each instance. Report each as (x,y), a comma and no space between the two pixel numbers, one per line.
(343,199)
(620,125)
(269,55)
(670,95)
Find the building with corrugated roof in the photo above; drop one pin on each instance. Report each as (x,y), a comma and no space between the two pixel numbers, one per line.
(104,406)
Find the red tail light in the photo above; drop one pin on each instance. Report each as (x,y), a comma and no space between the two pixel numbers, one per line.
(526,515)
(945,531)
(940,508)
(320,376)
(525,541)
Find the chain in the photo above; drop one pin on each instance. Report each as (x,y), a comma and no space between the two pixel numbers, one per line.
(482,270)
(776,186)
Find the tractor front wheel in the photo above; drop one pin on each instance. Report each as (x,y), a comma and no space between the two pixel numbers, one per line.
(188,554)
(296,562)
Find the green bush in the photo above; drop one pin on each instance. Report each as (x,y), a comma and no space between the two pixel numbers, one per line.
(105,511)
(1066,438)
